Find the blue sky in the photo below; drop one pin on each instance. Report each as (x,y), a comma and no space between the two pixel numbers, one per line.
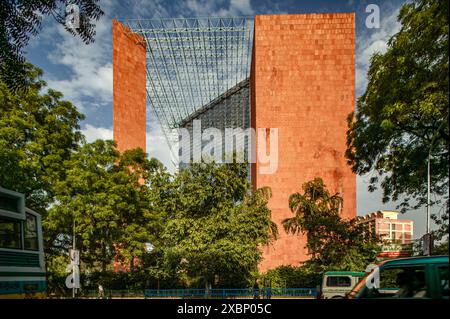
(83,73)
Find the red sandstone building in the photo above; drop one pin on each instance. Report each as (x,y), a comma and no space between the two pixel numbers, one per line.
(294,72)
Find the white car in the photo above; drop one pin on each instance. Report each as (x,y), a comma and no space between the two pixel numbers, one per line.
(336,284)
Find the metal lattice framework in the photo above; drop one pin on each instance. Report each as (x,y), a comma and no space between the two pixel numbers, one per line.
(192,62)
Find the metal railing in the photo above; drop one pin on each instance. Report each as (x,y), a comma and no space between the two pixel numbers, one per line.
(110,293)
(242,293)
(264,293)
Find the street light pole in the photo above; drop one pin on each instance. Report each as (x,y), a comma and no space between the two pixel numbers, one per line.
(428,234)
(428,191)
(427,239)
(73,264)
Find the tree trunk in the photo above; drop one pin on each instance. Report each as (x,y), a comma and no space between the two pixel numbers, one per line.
(207,292)
(103,259)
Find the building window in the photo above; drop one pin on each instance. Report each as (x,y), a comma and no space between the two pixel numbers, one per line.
(31,235)
(398,237)
(385,235)
(10,234)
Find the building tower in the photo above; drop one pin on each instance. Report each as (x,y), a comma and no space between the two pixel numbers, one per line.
(295,73)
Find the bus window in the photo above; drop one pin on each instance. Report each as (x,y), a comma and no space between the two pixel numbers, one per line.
(401,282)
(10,234)
(9,204)
(31,236)
(443,278)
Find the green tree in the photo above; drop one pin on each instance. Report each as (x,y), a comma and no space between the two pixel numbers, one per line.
(441,235)
(104,197)
(292,277)
(21,19)
(403,113)
(215,225)
(333,243)
(38,132)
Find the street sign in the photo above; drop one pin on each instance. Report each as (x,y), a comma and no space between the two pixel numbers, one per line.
(393,250)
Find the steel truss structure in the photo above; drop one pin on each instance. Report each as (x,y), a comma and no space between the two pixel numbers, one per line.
(192,63)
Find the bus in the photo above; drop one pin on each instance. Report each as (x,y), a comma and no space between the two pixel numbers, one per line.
(22,262)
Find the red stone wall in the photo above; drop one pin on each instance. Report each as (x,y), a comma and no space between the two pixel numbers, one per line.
(303,83)
(129,97)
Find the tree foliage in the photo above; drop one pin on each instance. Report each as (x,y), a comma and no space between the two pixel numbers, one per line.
(403,113)
(38,132)
(215,224)
(292,277)
(205,223)
(104,198)
(333,243)
(21,19)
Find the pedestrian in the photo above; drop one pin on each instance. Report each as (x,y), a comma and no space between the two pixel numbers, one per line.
(256,290)
(269,293)
(101,292)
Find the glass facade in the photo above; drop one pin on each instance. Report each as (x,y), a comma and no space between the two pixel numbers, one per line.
(231,111)
(191,63)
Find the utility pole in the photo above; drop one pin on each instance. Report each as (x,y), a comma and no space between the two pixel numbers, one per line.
(73,279)
(429,240)
(428,191)
(73,265)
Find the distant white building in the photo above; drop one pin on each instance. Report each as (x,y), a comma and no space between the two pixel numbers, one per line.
(397,234)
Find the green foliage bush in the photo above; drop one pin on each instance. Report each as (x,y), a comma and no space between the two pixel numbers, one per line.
(291,277)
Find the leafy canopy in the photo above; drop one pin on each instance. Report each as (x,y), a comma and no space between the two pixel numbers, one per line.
(403,114)
(333,243)
(104,196)
(38,132)
(215,224)
(21,19)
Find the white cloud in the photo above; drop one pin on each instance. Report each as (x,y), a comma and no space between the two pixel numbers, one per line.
(89,66)
(158,148)
(146,9)
(371,41)
(157,144)
(84,70)
(205,8)
(93,133)
(241,7)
